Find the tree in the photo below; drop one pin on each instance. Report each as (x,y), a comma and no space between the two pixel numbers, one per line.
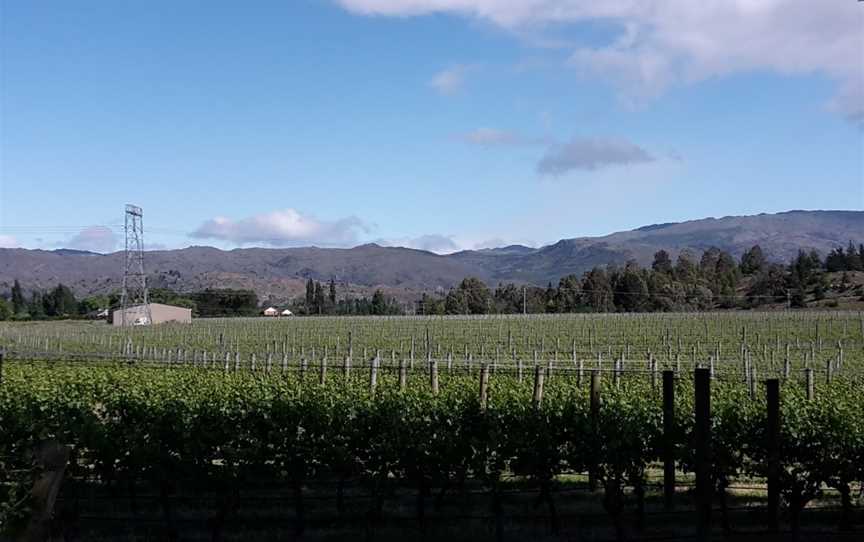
(5,309)
(310,296)
(569,294)
(662,263)
(854,259)
(332,293)
(836,261)
(60,302)
(319,300)
(597,290)
(19,305)
(631,291)
(753,261)
(685,269)
(470,297)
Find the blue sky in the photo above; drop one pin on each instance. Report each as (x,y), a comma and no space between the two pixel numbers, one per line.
(437,124)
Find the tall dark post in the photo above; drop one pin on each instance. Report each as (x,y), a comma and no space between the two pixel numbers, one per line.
(703,452)
(668,439)
(773,447)
(595,414)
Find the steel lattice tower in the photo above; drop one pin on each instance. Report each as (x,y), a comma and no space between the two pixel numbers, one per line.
(134,278)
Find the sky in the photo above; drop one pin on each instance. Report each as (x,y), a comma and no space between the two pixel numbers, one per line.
(434,124)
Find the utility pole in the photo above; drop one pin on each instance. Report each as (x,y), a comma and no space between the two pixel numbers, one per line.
(134,279)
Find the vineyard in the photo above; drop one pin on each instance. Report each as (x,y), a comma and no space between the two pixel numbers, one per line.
(507,428)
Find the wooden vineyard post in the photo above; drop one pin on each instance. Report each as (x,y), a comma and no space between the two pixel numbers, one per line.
(580,374)
(284,362)
(53,459)
(403,374)
(303,365)
(829,370)
(773,446)
(2,354)
(484,386)
(519,369)
(595,423)
(346,367)
(537,399)
(373,373)
(433,376)
(236,361)
(787,367)
(808,378)
(322,372)
(704,485)
(668,439)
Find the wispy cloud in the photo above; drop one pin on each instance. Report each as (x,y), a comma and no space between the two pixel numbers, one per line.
(286,227)
(437,243)
(451,80)
(589,154)
(94,239)
(669,42)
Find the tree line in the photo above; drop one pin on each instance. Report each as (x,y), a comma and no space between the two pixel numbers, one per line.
(316,302)
(716,281)
(60,303)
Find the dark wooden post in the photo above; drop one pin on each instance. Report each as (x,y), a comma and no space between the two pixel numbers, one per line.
(773,446)
(704,486)
(595,414)
(484,386)
(668,439)
(538,387)
(53,458)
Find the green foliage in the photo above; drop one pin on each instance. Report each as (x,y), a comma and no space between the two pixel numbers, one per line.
(225,302)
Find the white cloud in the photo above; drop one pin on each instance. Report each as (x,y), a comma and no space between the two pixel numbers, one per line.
(451,80)
(8,241)
(590,154)
(439,244)
(95,239)
(287,227)
(667,42)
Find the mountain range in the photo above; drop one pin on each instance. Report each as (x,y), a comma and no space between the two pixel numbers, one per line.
(279,274)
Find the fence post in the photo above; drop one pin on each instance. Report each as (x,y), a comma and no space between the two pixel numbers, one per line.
(595,422)
(773,398)
(668,439)
(704,486)
(403,374)
(433,376)
(322,375)
(538,387)
(829,370)
(808,377)
(484,386)
(373,373)
(2,355)
(346,367)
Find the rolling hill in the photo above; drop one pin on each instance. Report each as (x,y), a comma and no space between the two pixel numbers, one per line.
(281,273)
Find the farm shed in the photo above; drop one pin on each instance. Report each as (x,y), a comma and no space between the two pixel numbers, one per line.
(158,312)
(287,312)
(271,311)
